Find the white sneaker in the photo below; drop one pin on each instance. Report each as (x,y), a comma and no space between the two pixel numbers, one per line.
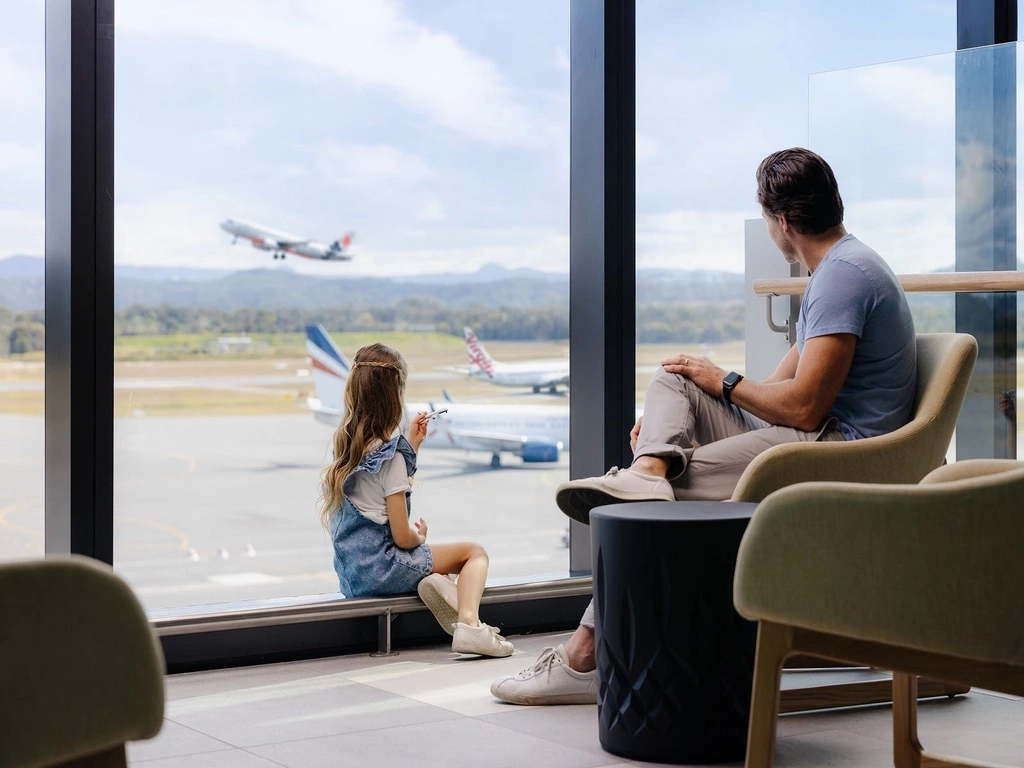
(577,497)
(549,681)
(442,598)
(482,640)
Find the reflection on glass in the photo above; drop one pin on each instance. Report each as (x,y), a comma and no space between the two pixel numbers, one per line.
(280,205)
(892,130)
(21,281)
(714,97)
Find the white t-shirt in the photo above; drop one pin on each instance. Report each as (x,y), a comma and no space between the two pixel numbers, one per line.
(369,491)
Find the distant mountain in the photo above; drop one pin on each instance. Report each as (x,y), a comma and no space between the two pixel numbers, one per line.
(32,266)
(21,266)
(491,286)
(488,273)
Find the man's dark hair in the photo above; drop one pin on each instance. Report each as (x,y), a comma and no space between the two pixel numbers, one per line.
(798,184)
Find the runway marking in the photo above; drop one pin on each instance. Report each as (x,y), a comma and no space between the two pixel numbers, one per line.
(178,534)
(5,523)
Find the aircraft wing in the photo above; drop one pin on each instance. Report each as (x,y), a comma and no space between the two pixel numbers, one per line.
(487,441)
(291,243)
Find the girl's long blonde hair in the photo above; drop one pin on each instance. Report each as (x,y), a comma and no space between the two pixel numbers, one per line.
(374,409)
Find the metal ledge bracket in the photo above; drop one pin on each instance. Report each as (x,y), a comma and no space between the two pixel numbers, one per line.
(784,328)
(384,634)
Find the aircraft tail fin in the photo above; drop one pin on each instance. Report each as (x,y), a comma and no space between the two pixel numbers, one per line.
(477,354)
(330,368)
(342,243)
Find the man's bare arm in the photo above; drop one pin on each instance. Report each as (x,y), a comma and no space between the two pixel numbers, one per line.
(804,400)
(786,369)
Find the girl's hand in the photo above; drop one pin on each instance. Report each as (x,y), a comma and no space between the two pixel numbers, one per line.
(421,529)
(417,430)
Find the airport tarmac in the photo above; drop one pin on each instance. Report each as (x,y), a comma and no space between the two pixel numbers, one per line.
(220,509)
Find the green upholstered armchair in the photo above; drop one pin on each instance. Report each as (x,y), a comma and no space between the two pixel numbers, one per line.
(945,362)
(922,579)
(81,672)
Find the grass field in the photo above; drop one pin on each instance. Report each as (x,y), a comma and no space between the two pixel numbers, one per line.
(200,384)
(184,361)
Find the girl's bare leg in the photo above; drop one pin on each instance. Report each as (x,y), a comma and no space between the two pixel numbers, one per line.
(470,561)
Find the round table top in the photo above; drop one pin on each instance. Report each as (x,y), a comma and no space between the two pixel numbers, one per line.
(676,511)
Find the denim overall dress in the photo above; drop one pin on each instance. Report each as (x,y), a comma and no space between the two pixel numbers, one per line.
(366,558)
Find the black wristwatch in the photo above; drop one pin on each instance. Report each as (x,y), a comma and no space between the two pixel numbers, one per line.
(728,384)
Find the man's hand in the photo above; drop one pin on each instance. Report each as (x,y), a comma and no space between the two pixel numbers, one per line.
(634,434)
(698,369)
(418,430)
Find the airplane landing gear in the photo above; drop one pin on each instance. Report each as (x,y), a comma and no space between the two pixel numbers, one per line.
(496,460)
(536,390)
(553,389)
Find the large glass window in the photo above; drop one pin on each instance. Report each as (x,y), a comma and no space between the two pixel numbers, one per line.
(890,130)
(392,172)
(21,280)
(719,87)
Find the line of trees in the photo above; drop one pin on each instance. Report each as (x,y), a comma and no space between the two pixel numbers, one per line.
(705,323)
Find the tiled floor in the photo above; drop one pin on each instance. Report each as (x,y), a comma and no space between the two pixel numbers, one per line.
(428,707)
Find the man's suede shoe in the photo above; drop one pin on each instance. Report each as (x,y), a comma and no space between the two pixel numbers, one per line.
(549,681)
(577,497)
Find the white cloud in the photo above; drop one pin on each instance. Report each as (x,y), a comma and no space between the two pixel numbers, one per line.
(22,162)
(689,239)
(229,136)
(920,96)
(22,231)
(536,247)
(369,43)
(915,235)
(911,235)
(431,211)
(21,83)
(180,228)
(562,63)
(647,148)
(361,165)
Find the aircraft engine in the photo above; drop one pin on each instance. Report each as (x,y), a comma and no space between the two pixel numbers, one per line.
(266,245)
(536,451)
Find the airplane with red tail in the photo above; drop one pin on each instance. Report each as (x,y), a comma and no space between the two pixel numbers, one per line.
(281,243)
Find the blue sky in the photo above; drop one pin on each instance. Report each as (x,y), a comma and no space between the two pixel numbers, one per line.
(438,130)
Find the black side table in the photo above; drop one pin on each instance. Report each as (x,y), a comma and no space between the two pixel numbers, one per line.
(675,662)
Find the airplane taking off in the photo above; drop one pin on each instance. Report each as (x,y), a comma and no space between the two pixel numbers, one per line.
(281,243)
(534,433)
(533,373)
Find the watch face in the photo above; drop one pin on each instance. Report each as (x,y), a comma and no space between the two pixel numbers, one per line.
(731,379)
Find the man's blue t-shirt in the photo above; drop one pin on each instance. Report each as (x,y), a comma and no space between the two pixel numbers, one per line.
(854,291)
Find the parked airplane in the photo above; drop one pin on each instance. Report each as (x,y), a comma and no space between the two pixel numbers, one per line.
(534,433)
(281,243)
(533,373)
